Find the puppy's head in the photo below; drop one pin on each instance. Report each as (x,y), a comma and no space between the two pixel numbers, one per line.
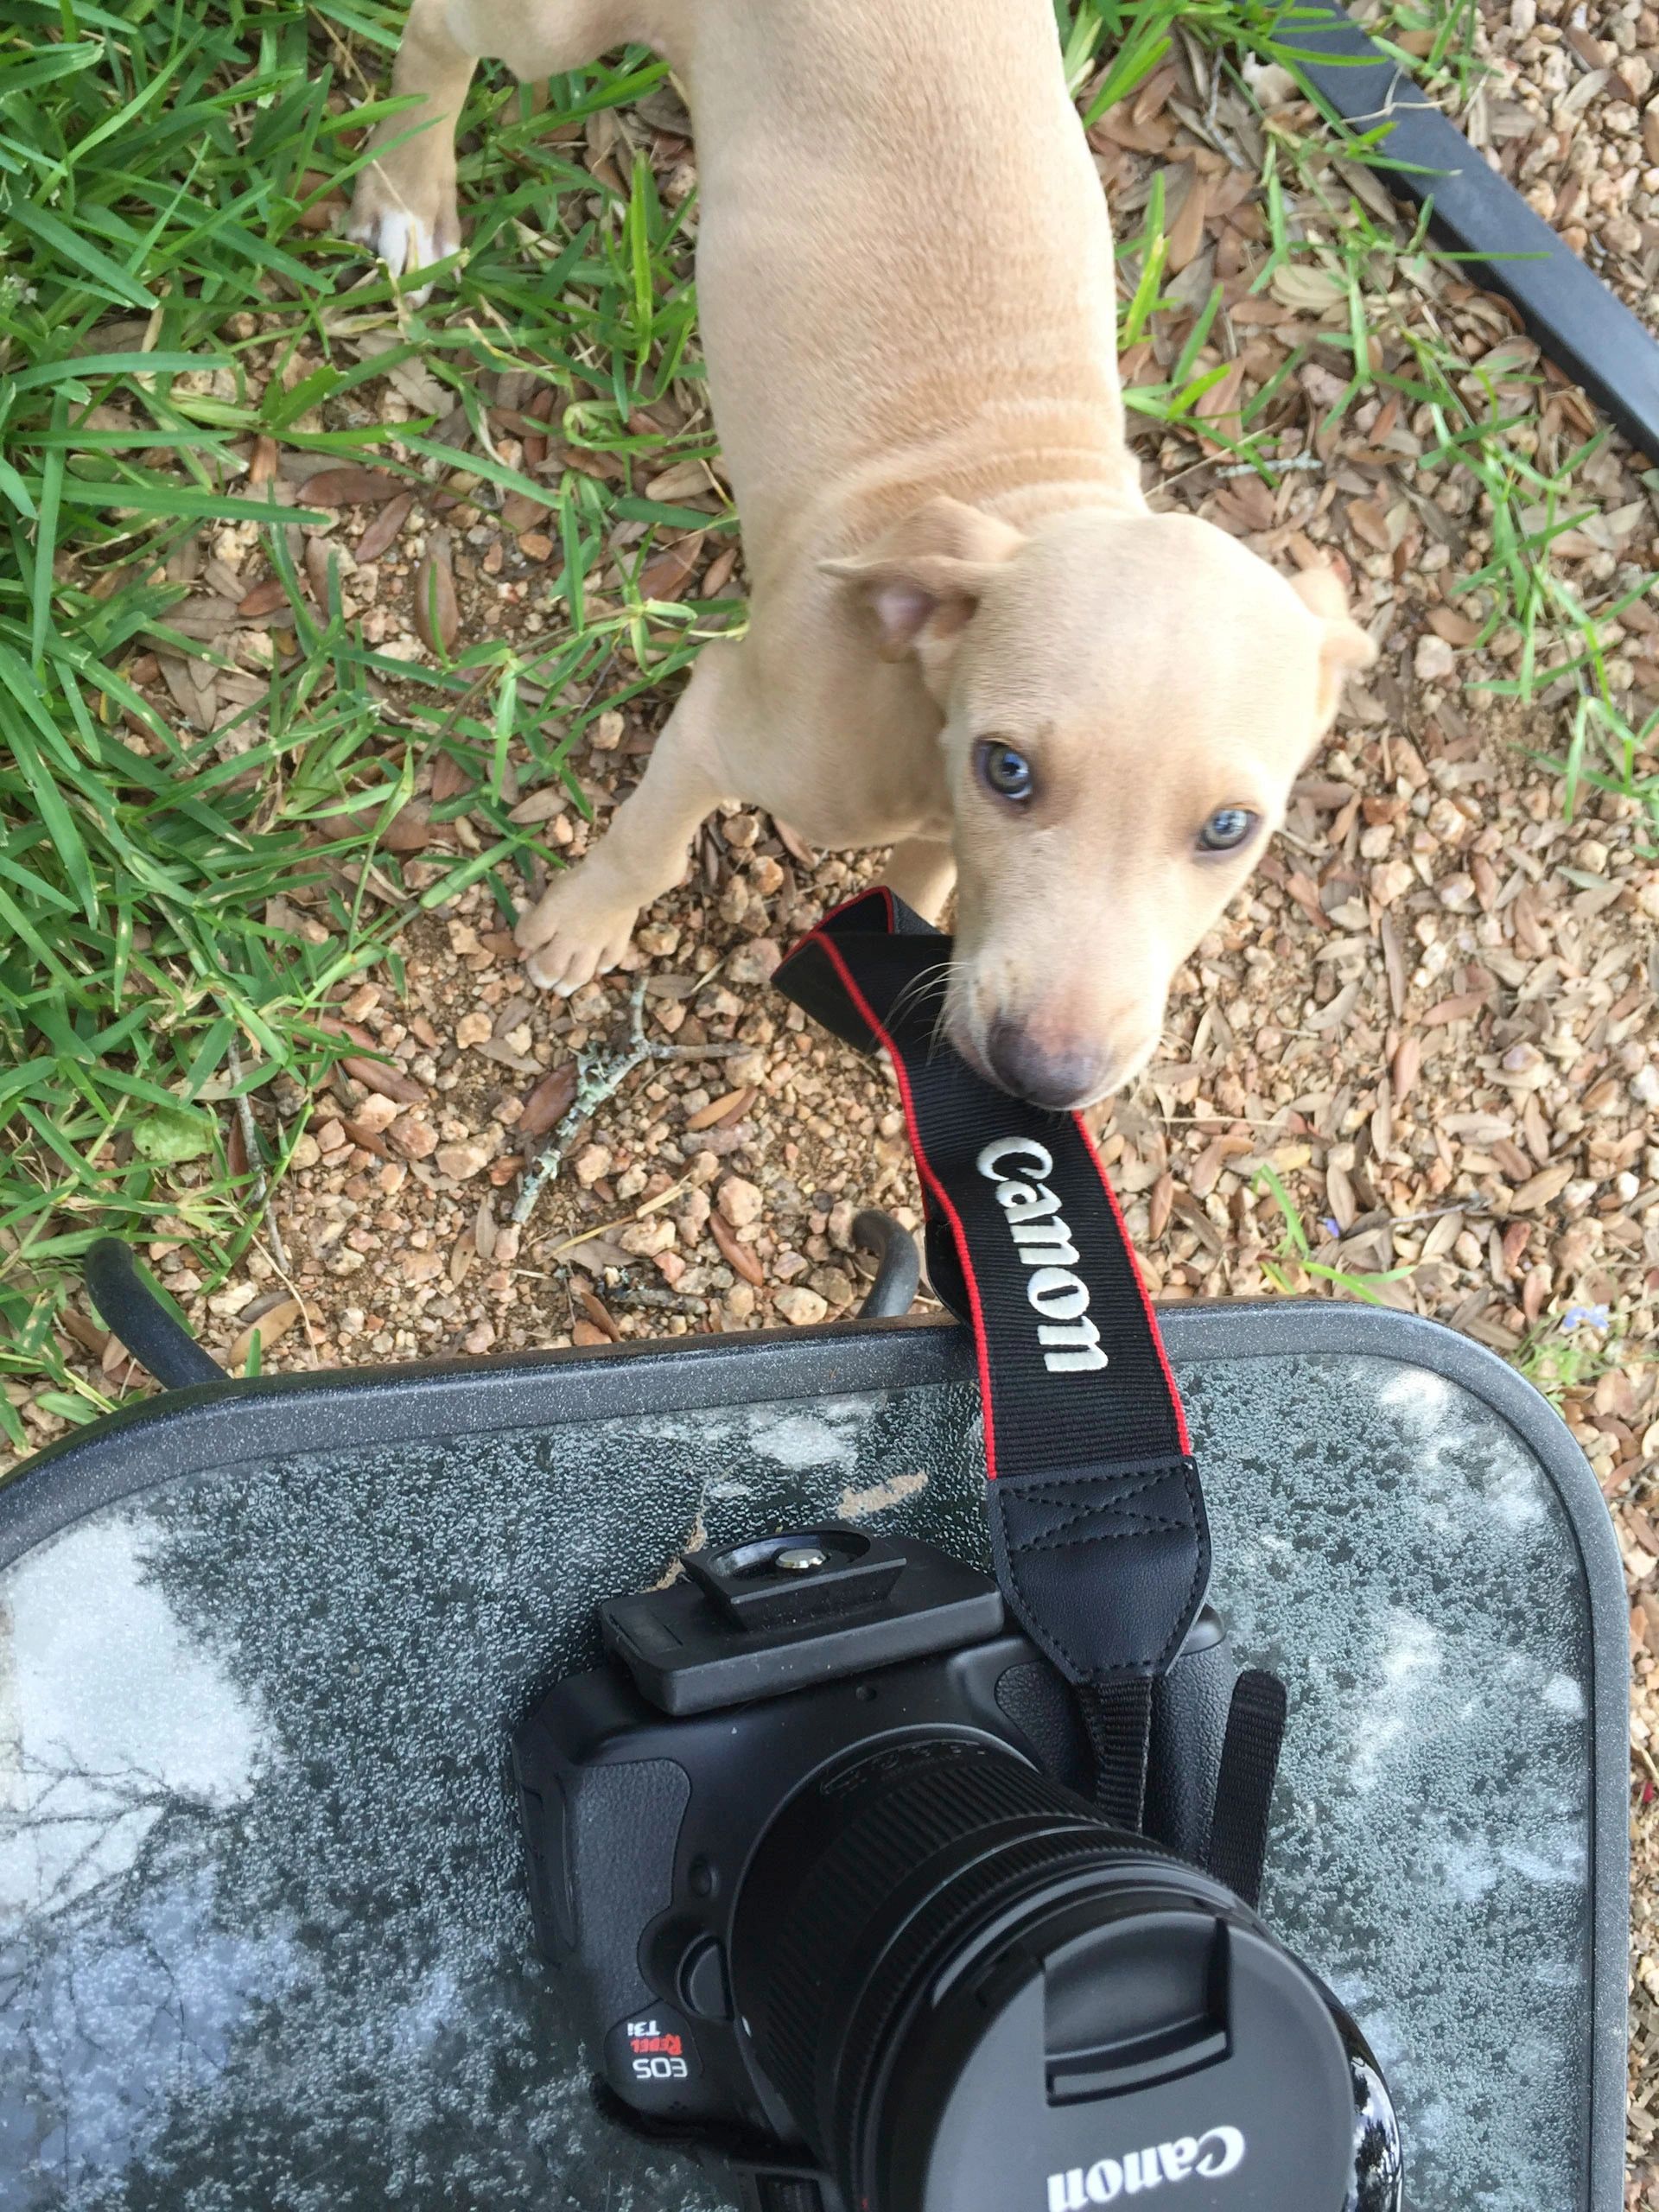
(1128,698)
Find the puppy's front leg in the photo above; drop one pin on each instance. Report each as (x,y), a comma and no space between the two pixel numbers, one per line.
(405,202)
(582,925)
(923,873)
(405,207)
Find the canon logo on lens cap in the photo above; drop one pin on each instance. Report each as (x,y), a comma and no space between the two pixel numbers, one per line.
(1221,2152)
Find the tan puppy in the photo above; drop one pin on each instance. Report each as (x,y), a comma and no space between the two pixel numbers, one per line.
(970,638)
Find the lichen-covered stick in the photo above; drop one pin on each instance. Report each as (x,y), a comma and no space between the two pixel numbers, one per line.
(596,1082)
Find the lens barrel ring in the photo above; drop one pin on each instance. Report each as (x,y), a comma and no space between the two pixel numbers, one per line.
(924,1856)
(1024,1868)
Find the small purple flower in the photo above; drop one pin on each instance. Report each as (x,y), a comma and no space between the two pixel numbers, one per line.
(1332,1227)
(1585,1317)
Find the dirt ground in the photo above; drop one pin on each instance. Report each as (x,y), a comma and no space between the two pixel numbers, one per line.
(1432,1017)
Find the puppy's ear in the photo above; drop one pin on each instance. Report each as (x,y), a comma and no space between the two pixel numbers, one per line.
(923,581)
(1344,645)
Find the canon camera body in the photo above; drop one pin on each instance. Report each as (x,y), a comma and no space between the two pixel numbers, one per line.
(817,1842)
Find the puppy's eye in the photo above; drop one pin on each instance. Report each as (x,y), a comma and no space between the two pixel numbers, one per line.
(1228,828)
(1005,772)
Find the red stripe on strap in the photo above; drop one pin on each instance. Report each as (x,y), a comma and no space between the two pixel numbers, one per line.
(1156,1332)
(941,1196)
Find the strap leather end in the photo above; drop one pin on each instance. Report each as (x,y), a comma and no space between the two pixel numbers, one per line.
(1052,1539)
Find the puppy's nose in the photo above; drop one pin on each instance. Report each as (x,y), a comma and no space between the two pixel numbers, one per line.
(1054,1076)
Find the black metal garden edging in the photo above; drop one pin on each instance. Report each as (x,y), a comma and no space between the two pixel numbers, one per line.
(1582,326)
(161,1345)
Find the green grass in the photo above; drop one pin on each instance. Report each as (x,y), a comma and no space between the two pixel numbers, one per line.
(1564,1359)
(156,170)
(1292,1269)
(1483,419)
(159,169)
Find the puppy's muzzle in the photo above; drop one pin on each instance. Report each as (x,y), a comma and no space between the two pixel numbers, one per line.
(1060,1076)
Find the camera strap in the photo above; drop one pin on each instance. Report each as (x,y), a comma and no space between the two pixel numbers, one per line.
(1097,1523)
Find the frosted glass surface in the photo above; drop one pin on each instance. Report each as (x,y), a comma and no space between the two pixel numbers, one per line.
(264,1938)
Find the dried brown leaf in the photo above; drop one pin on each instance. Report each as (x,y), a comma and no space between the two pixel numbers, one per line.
(351,487)
(599,1316)
(667,573)
(1328,796)
(1159,1203)
(437,611)
(740,1258)
(731,1107)
(1458,1009)
(1393,964)
(1510,1157)
(1368,521)
(116,1356)
(410,830)
(520,511)
(1404,1067)
(1456,629)
(321,559)
(1303,889)
(549,1102)
(264,599)
(1547,1185)
(1186,232)
(275,1322)
(390,1081)
(364,1133)
(86,1333)
(450,777)
(383,531)
(541,806)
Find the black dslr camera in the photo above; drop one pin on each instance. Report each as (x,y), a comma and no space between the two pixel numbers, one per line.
(817,1844)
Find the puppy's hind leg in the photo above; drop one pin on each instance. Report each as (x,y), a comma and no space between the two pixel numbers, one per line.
(582,925)
(405,206)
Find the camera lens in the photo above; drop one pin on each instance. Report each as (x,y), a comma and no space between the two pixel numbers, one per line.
(974,1995)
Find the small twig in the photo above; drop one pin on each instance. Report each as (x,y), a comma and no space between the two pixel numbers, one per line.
(251,1146)
(623,1220)
(281,1263)
(347,57)
(597,1081)
(1310,461)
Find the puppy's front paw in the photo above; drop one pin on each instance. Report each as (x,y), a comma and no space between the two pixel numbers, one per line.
(406,211)
(580,930)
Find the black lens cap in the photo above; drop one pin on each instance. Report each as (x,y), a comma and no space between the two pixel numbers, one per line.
(1131,2041)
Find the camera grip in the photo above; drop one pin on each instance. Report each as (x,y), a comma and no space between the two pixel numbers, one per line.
(622,1833)
(1189,1726)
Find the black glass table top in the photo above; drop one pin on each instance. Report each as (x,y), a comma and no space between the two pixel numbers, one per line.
(264,1934)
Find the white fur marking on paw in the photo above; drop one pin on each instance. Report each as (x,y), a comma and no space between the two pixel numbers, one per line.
(403,242)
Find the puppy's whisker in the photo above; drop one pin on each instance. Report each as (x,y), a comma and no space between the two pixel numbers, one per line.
(937,1037)
(917,992)
(932,982)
